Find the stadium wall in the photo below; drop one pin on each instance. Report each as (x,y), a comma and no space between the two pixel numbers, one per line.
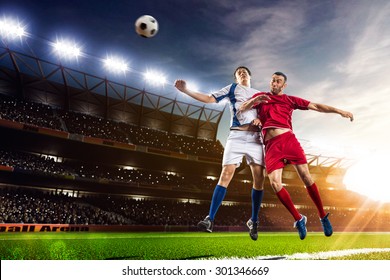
(103,228)
(36,228)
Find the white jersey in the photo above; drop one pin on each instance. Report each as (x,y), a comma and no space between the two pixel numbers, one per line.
(236,97)
(241,143)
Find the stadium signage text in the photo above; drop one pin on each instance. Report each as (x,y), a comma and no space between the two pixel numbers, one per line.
(41,228)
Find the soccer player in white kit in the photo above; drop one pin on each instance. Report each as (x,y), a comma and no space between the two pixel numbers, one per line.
(244,139)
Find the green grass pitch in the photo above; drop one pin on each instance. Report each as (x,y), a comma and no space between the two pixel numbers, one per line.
(184,246)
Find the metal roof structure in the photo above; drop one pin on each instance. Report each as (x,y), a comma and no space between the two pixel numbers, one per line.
(35,79)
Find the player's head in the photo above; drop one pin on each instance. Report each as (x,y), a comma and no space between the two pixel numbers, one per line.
(242,75)
(278,82)
(281,74)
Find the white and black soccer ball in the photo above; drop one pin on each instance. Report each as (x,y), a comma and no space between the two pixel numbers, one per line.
(146,26)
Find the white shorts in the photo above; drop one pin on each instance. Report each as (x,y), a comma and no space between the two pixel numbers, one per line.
(244,143)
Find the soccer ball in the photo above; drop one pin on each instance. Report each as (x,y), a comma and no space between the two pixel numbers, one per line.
(146,26)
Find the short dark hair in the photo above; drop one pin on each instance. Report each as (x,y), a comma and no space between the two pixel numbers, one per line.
(281,74)
(242,67)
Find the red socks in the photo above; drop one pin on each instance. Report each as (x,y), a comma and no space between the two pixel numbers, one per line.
(285,198)
(315,196)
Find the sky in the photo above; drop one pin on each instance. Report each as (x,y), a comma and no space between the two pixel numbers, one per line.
(333,52)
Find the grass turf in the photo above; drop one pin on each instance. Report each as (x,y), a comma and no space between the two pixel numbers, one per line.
(173,246)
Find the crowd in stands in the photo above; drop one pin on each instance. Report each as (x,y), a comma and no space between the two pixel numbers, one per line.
(21,205)
(35,163)
(82,124)
(23,161)
(41,115)
(28,113)
(32,206)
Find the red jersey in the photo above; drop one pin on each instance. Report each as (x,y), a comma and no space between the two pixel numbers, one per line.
(277,113)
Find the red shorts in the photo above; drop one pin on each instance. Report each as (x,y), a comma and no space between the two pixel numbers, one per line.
(282,150)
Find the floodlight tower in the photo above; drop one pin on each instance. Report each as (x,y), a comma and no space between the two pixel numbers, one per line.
(66,49)
(115,65)
(69,51)
(11,30)
(155,78)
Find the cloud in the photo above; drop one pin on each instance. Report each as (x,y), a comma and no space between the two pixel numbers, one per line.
(364,73)
(256,36)
(369,52)
(355,80)
(337,55)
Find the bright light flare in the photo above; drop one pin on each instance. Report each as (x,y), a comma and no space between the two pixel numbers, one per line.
(319,146)
(11,29)
(116,64)
(369,177)
(67,49)
(155,78)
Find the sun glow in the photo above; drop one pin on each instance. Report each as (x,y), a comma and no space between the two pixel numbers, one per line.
(369,177)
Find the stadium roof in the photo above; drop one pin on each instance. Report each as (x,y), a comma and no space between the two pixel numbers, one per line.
(27,76)
(39,80)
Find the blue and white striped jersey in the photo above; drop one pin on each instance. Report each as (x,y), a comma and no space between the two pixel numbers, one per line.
(236,94)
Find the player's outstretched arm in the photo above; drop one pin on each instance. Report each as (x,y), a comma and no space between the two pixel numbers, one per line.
(249,104)
(329,109)
(246,105)
(200,96)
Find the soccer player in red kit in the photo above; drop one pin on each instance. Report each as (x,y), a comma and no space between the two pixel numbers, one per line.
(282,146)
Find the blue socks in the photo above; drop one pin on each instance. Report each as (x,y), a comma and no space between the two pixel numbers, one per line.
(216,201)
(257,197)
(219,195)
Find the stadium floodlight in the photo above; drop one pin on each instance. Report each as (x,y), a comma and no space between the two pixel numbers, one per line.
(155,78)
(67,49)
(115,64)
(11,29)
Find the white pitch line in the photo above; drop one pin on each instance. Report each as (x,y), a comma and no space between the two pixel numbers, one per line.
(317,255)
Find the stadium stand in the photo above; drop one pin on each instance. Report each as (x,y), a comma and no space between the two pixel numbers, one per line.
(59,165)
(23,205)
